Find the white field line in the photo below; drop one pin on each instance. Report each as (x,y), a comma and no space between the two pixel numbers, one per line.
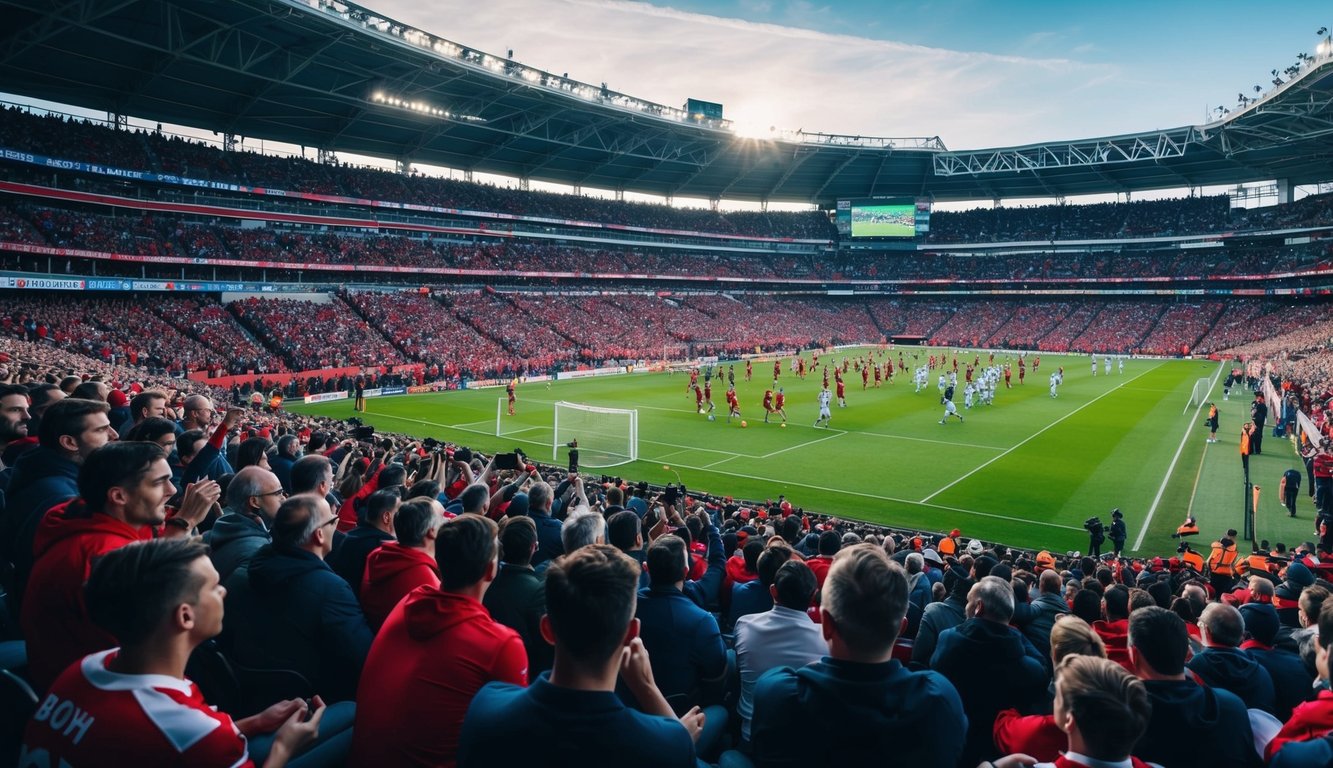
(1161,489)
(801,445)
(1033,436)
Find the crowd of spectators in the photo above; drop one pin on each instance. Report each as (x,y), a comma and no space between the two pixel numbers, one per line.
(315,334)
(346,579)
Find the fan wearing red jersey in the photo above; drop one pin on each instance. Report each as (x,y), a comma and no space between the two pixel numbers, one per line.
(733,404)
(133,705)
(768,404)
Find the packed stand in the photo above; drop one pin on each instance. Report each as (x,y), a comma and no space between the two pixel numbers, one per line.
(312,335)
(345,577)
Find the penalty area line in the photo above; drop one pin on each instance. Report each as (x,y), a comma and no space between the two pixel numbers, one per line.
(1161,489)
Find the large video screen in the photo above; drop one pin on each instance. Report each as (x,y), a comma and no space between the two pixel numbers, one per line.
(884,220)
(891,218)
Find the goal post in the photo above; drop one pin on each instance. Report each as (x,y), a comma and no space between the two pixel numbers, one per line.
(606,437)
(1199,395)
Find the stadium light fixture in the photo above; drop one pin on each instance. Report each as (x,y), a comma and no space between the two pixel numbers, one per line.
(422,107)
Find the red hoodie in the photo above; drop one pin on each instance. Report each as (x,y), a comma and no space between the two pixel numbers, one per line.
(54,620)
(392,571)
(1035,735)
(434,652)
(1116,636)
(1309,720)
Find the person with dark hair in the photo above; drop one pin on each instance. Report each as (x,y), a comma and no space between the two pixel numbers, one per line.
(782,637)
(253,498)
(624,531)
(313,474)
(1114,627)
(939,616)
(91,390)
(740,569)
(153,430)
(1291,683)
(397,567)
(47,475)
(437,648)
(123,492)
(133,704)
(689,660)
(292,611)
(756,596)
(1222,664)
(375,528)
(903,717)
(40,398)
(570,716)
(1087,605)
(284,458)
(517,597)
(148,404)
(14,417)
(253,452)
(991,665)
(1158,645)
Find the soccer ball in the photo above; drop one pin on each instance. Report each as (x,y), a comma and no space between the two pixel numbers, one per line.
(712,417)
(744,424)
(783,425)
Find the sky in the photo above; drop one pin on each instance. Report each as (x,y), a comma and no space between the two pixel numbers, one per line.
(976,74)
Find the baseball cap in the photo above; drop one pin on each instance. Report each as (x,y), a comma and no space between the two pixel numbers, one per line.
(932,556)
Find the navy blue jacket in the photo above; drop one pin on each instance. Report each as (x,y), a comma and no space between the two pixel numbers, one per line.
(288,610)
(282,467)
(42,478)
(1291,681)
(841,713)
(232,541)
(684,645)
(1235,670)
(1183,708)
(348,559)
(993,667)
(549,545)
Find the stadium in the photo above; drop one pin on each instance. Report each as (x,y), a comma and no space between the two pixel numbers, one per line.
(1060,357)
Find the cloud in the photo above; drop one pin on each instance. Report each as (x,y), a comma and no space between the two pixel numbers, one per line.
(791,76)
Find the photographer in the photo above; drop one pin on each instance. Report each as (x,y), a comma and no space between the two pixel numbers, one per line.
(1118,532)
(1096,535)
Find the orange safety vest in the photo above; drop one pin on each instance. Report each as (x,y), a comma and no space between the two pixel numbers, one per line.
(1244,442)
(1223,560)
(1192,560)
(1256,563)
(1187,529)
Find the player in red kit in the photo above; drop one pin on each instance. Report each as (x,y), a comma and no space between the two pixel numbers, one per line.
(1008,375)
(749,368)
(708,395)
(865,377)
(694,379)
(1022,371)
(842,393)
(733,404)
(768,404)
(879,376)
(698,399)
(509,390)
(779,403)
(777,370)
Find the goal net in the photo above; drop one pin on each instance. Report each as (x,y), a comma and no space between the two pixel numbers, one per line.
(1199,395)
(606,436)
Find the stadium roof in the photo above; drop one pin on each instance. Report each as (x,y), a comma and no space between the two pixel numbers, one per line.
(336,76)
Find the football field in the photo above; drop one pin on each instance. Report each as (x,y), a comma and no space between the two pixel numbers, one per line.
(1027,470)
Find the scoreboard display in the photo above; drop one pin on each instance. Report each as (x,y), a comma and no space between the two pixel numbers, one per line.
(891,218)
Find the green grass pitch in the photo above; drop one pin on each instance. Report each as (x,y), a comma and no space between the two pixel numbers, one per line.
(1026,471)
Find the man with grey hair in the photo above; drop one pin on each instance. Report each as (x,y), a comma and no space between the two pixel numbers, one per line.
(1035,619)
(253,498)
(549,543)
(918,583)
(992,665)
(1222,664)
(291,611)
(581,529)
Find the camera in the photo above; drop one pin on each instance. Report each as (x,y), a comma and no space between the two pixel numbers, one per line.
(1092,524)
(464,455)
(363,433)
(572,443)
